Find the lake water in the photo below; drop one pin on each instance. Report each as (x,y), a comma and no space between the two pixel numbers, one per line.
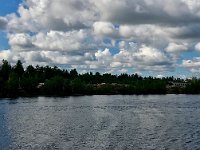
(101,123)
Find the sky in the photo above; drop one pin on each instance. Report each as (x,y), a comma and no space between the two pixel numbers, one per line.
(149,37)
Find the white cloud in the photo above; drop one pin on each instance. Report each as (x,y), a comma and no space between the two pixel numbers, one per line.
(116,64)
(123,71)
(103,59)
(106,35)
(58,15)
(55,40)
(195,70)
(20,41)
(5,54)
(192,63)
(145,58)
(176,47)
(71,41)
(197,47)
(105,29)
(160,76)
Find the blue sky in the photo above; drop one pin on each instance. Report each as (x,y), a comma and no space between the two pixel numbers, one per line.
(7,7)
(155,37)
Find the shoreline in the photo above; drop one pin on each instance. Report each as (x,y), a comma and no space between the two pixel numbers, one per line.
(80,95)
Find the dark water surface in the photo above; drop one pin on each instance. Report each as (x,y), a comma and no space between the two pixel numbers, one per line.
(101,122)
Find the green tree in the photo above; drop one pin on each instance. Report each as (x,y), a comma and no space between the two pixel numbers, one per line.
(18,69)
(54,86)
(28,84)
(78,86)
(30,71)
(73,73)
(5,70)
(2,86)
(13,83)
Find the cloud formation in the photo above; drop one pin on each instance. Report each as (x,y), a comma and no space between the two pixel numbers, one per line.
(3,23)
(132,35)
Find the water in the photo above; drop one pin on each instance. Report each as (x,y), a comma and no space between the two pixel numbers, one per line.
(101,122)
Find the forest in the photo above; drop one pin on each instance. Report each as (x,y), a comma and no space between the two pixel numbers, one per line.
(17,81)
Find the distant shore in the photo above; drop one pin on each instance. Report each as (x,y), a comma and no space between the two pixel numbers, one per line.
(15,81)
(28,95)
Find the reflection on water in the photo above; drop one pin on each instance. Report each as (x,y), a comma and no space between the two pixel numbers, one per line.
(101,122)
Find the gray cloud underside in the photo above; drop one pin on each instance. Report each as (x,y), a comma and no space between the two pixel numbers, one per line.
(3,23)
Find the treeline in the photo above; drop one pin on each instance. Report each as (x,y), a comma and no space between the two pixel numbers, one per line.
(52,81)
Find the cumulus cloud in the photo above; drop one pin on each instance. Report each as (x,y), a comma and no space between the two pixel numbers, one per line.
(20,41)
(138,35)
(55,40)
(176,47)
(105,29)
(145,58)
(76,14)
(71,41)
(197,47)
(3,23)
(58,15)
(193,65)
(148,11)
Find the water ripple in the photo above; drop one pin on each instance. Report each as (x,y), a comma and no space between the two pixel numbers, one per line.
(101,122)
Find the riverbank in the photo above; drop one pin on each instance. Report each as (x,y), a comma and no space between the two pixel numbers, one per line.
(22,93)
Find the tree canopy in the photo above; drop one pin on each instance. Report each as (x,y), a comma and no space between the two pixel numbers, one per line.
(53,81)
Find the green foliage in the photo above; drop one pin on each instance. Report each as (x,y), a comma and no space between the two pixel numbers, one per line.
(30,71)
(18,69)
(5,70)
(13,83)
(194,87)
(105,89)
(54,86)
(67,87)
(52,81)
(77,86)
(29,84)
(73,73)
(2,85)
